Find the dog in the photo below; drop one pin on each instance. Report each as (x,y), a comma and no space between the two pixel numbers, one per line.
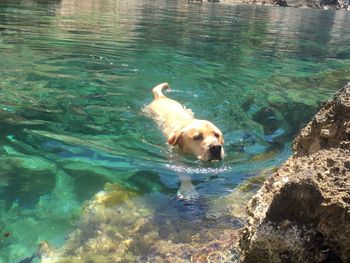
(200,138)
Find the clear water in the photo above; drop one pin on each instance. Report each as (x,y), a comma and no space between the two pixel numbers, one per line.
(75,75)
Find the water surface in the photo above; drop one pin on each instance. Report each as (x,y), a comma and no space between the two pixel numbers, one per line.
(75,76)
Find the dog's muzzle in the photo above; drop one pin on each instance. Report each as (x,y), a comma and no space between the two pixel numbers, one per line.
(215,152)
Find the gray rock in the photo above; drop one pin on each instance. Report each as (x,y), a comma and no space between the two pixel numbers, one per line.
(302,212)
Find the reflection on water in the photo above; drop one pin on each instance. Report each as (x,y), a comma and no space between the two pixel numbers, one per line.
(74,78)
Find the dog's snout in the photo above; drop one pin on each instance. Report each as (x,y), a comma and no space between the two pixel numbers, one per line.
(215,150)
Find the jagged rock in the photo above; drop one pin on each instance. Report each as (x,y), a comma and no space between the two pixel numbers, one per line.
(330,128)
(302,212)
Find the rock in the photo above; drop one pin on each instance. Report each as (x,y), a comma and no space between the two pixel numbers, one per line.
(317,4)
(302,212)
(330,128)
(104,231)
(118,226)
(88,178)
(26,179)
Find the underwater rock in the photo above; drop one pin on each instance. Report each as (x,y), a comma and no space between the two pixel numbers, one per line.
(88,178)
(119,225)
(26,179)
(269,120)
(301,213)
(104,232)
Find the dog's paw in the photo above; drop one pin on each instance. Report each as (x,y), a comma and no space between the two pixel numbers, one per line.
(187,194)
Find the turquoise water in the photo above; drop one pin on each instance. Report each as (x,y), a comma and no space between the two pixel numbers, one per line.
(75,76)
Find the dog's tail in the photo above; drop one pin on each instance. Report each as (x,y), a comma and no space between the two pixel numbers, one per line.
(157,90)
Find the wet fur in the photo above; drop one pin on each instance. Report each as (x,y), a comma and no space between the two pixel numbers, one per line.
(181,129)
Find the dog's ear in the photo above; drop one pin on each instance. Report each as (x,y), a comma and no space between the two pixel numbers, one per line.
(175,138)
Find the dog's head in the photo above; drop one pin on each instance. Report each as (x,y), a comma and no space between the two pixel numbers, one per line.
(200,138)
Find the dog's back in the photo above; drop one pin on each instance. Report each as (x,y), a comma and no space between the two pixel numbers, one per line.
(168,112)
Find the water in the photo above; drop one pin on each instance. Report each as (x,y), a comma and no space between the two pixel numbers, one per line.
(74,78)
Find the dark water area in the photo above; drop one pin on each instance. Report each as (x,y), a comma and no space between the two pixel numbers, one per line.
(76,74)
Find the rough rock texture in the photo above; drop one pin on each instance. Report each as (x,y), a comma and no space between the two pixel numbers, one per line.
(302,212)
(329,129)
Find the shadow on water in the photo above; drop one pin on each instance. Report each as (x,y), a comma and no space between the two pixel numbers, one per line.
(148,182)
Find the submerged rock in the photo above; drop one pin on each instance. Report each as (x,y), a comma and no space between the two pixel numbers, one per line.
(25,180)
(302,212)
(119,225)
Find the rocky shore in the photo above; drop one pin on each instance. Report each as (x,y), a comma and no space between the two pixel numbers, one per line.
(317,4)
(302,212)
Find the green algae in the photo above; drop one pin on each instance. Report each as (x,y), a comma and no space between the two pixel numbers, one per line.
(116,194)
(255,182)
(252,183)
(265,156)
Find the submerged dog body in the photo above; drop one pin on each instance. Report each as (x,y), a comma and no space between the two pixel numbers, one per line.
(198,137)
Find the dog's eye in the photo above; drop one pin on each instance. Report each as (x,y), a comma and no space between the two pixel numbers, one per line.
(198,137)
(216,135)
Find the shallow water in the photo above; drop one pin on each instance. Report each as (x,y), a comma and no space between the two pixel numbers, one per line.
(75,76)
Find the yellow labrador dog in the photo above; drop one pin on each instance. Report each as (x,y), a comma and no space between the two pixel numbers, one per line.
(192,136)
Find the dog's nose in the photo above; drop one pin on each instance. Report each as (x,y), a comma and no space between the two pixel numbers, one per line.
(215,151)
